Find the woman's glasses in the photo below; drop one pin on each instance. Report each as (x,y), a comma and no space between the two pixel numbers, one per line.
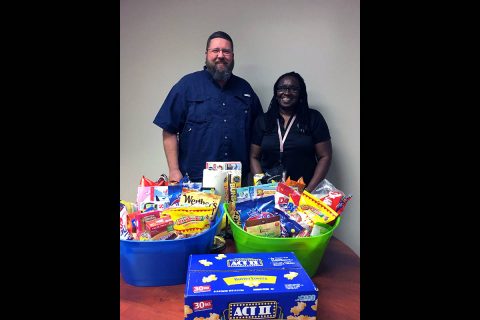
(284,89)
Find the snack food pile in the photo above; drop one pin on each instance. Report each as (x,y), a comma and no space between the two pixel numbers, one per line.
(166,211)
(285,209)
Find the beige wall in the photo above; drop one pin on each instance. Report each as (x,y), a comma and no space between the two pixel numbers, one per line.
(160,41)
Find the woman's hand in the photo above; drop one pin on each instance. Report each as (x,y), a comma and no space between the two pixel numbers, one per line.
(255,154)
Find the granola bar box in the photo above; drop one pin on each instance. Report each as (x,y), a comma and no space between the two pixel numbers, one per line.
(231,286)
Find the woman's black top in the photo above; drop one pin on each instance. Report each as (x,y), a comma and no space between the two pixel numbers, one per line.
(299,157)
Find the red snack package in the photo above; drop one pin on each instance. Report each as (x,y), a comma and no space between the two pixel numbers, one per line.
(333,199)
(142,218)
(282,195)
(159,225)
(145,182)
(330,195)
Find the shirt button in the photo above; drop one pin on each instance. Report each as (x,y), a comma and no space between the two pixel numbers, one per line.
(224,120)
(226,154)
(226,137)
(246,111)
(223,104)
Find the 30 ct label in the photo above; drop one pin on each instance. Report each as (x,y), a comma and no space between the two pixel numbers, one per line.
(202,305)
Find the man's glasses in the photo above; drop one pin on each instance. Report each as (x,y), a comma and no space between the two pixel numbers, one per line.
(284,89)
(216,51)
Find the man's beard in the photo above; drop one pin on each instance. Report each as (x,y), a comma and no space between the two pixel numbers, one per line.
(219,75)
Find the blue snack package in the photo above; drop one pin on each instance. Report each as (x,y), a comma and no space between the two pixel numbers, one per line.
(174,193)
(254,207)
(289,227)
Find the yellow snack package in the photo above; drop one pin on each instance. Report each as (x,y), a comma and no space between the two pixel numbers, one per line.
(257,178)
(189,220)
(315,209)
(130,206)
(233,182)
(192,198)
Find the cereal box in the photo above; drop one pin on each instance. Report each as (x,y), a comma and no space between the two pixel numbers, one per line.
(234,286)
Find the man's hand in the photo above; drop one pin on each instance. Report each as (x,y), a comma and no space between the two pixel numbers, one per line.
(170,145)
(174,176)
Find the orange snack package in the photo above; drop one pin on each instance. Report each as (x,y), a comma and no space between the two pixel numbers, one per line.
(299,184)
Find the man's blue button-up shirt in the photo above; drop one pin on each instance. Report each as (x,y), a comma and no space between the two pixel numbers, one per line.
(213,123)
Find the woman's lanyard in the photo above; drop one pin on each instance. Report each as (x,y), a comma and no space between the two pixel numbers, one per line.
(282,141)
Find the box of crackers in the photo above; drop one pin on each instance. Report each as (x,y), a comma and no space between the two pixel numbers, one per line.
(231,286)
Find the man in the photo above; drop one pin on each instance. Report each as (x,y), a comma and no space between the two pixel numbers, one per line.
(208,115)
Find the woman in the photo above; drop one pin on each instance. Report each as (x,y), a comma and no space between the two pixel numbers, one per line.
(307,149)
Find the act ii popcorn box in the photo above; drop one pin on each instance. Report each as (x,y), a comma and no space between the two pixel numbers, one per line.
(234,286)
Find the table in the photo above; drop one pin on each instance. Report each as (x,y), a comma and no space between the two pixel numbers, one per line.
(337,279)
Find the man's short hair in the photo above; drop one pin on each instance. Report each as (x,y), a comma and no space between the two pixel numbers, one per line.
(219,34)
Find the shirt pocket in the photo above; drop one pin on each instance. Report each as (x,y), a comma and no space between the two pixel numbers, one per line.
(199,110)
(242,110)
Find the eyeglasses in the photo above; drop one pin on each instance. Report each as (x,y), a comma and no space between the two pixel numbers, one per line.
(216,51)
(283,89)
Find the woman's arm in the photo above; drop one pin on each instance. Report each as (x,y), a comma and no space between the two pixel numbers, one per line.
(255,154)
(323,150)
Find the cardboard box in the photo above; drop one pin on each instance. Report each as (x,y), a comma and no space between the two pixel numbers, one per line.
(235,286)
(223,165)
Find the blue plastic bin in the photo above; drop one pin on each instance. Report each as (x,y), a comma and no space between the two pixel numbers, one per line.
(163,263)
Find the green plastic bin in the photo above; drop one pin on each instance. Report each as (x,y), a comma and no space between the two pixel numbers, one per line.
(309,250)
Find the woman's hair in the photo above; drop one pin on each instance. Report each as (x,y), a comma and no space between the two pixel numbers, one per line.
(301,108)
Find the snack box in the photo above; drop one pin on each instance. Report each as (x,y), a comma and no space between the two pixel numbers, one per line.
(223,165)
(232,286)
